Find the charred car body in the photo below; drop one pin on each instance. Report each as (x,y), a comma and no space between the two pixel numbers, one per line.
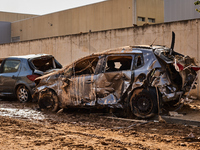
(17,74)
(137,77)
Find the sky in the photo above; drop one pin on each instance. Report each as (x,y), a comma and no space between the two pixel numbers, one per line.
(41,7)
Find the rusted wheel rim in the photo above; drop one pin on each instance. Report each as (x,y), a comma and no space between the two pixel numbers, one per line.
(49,101)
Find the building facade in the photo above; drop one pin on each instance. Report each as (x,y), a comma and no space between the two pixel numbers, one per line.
(11,17)
(5,24)
(177,10)
(5,30)
(110,14)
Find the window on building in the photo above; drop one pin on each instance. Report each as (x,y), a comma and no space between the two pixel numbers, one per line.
(141,19)
(151,20)
(15,39)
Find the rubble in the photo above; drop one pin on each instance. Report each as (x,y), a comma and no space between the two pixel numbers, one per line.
(193,97)
(175,114)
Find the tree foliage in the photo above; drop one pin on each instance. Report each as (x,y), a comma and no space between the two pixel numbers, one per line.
(197,3)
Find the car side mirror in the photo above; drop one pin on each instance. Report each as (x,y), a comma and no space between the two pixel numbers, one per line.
(38,72)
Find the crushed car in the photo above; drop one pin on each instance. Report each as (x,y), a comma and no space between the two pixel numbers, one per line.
(17,74)
(138,78)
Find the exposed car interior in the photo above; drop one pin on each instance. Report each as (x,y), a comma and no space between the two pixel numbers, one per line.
(86,66)
(118,63)
(139,62)
(45,63)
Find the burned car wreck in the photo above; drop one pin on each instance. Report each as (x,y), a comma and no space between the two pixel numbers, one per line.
(138,78)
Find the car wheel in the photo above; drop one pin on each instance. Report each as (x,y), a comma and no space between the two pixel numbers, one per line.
(49,101)
(144,103)
(23,94)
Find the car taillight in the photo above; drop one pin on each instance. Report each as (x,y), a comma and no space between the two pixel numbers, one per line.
(195,68)
(180,66)
(32,77)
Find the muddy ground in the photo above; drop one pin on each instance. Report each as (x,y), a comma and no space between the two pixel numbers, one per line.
(22,126)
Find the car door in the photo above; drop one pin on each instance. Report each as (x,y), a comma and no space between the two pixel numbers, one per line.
(81,89)
(8,76)
(113,83)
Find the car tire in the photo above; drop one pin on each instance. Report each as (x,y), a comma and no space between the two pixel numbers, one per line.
(144,104)
(23,94)
(49,101)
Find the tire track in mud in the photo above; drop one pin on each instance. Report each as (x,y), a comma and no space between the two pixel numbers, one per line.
(52,135)
(29,135)
(74,136)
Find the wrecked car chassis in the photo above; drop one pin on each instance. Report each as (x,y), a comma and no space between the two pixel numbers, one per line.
(155,75)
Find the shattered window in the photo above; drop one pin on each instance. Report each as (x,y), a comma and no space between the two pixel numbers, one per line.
(138,61)
(1,60)
(118,63)
(44,63)
(86,66)
(11,66)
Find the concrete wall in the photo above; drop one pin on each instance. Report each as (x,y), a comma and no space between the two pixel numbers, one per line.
(5,32)
(69,48)
(11,17)
(176,10)
(110,14)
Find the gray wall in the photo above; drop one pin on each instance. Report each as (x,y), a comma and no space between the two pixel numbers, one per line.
(5,32)
(176,10)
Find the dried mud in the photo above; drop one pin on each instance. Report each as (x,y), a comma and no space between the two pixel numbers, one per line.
(81,129)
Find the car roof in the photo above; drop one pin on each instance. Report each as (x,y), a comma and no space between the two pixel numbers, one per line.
(137,49)
(130,49)
(30,56)
(119,50)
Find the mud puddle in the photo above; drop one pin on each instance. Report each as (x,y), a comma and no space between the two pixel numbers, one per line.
(29,111)
(25,111)
(22,113)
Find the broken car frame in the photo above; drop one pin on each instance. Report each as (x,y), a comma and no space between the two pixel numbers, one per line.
(141,79)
